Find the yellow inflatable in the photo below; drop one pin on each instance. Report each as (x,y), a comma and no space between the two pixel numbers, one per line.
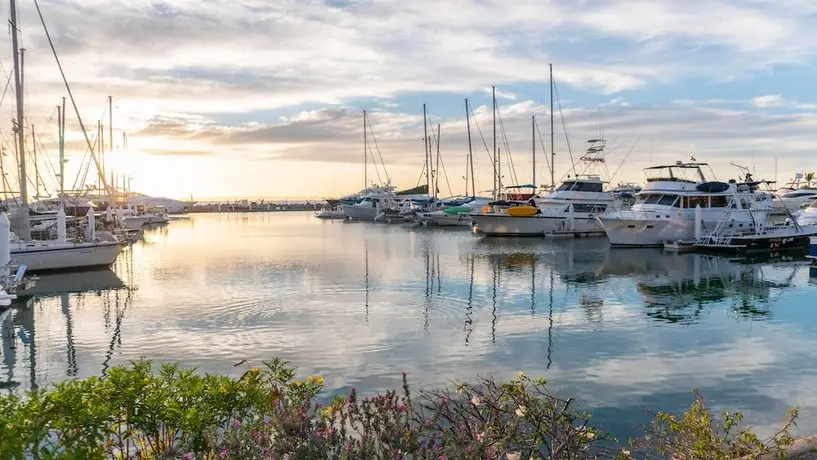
(522,211)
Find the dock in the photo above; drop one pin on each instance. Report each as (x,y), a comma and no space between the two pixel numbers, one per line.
(571,234)
(249,206)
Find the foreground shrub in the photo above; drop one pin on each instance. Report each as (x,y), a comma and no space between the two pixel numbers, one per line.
(698,435)
(268,413)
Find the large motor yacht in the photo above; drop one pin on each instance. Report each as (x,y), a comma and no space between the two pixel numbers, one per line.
(665,208)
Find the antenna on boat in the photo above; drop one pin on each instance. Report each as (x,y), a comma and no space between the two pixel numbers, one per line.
(365,154)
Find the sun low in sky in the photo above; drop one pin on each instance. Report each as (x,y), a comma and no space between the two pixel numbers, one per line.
(254,98)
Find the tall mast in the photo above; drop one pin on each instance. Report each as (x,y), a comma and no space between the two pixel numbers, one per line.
(533,147)
(426,151)
(24,223)
(61,140)
(110,132)
(365,155)
(493,106)
(470,152)
(437,168)
(36,168)
(552,150)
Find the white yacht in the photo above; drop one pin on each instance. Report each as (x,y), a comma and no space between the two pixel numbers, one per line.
(792,196)
(572,208)
(368,207)
(808,216)
(665,207)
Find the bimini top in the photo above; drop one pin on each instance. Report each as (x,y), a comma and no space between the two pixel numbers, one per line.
(679,164)
(678,172)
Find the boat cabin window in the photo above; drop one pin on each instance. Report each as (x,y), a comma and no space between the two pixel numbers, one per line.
(595,208)
(579,186)
(668,200)
(799,194)
(695,201)
(718,201)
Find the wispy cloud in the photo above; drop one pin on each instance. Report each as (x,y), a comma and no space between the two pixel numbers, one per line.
(193,72)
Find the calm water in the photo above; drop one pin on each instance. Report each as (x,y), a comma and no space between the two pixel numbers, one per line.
(626,331)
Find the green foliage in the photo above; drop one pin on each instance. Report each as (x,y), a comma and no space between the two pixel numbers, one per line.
(142,412)
(698,435)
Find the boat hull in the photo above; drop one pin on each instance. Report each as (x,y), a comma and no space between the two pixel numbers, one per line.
(134,222)
(646,233)
(66,256)
(450,220)
(359,212)
(505,225)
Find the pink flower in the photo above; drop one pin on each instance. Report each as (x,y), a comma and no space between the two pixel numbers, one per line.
(223,453)
(481,436)
(475,401)
(188,456)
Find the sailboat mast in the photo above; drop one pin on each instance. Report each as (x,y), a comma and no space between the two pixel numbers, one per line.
(552,149)
(110,132)
(24,223)
(533,147)
(437,168)
(36,168)
(61,140)
(425,151)
(496,159)
(470,152)
(365,156)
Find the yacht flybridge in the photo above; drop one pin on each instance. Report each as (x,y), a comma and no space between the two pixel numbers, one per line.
(665,207)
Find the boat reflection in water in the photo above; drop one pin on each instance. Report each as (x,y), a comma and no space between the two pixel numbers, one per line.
(19,325)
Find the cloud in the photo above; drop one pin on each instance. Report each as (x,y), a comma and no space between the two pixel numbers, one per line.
(208,76)
(770,100)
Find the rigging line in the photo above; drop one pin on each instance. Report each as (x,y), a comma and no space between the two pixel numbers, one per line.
(624,160)
(5,90)
(85,157)
(371,131)
(73,101)
(507,147)
(445,174)
(422,171)
(487,149)
(376,169)
(542,143)
(564,127)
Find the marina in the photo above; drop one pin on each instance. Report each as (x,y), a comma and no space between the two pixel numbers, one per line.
(363,302)
(390,198)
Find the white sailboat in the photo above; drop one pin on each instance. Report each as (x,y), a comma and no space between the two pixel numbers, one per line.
(59,254)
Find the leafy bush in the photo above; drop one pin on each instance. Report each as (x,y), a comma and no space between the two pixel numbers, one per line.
(268,413)
(698,435)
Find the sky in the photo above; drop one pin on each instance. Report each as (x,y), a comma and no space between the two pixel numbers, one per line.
(252,98)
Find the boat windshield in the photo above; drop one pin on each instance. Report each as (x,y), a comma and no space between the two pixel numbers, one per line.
(581,186)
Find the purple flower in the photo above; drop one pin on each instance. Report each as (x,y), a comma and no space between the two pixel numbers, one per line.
(223,453)
(188,456)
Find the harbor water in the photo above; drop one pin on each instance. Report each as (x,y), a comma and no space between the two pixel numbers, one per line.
(624,331)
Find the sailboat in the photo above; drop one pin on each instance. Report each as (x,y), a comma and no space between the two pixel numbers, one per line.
(60,254)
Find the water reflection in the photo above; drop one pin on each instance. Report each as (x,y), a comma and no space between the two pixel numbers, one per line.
(362,303)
